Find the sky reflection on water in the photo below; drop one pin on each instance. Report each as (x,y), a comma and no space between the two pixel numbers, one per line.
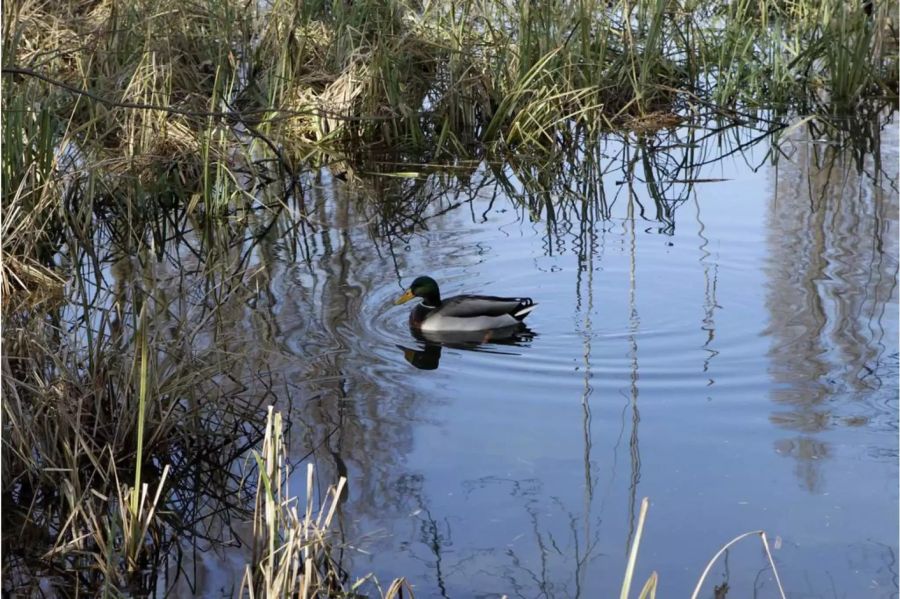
(735,361)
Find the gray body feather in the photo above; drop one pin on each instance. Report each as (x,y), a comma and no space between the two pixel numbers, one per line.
(472,313)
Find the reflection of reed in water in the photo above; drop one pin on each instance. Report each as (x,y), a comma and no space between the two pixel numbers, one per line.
(832,275)
(652,173)
(339,427)
(634,322)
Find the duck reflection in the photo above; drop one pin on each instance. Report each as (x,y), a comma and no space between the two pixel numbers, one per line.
(428,355)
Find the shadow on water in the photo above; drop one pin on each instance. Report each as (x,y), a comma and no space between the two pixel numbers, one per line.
(285,304)
(495,341)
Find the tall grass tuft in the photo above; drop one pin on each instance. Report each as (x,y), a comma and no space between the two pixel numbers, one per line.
(150,85)
(119,436)
(294,543)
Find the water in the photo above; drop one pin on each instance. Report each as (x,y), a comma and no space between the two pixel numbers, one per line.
(736,363)
(716,331)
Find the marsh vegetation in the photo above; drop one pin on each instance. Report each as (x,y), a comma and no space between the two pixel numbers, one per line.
(158,154)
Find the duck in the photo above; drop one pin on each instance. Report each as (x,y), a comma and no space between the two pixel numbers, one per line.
(462,313)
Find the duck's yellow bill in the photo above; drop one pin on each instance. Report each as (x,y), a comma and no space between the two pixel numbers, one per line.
(404,298)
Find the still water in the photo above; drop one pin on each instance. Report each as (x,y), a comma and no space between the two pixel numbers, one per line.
(735,361)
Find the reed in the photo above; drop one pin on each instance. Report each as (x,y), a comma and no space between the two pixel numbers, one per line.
(119,439)
(450,79)
(648,591)
(294,542)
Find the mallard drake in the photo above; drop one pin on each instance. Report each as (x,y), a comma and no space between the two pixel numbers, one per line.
(462,312)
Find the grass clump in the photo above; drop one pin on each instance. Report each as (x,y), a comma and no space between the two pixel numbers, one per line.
(441,80)
(112,453)
(293,544)
(469,76)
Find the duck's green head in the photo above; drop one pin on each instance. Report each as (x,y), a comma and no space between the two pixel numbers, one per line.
(424,287)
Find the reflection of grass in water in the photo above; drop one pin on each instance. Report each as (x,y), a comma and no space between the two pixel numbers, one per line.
(74,371)
(293,550)
(649,175)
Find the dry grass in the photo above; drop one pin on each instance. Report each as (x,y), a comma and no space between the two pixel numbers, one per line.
(112,422)
(293,542)
(442,79)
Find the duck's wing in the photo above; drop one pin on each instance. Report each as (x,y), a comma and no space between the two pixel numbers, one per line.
(471,306)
